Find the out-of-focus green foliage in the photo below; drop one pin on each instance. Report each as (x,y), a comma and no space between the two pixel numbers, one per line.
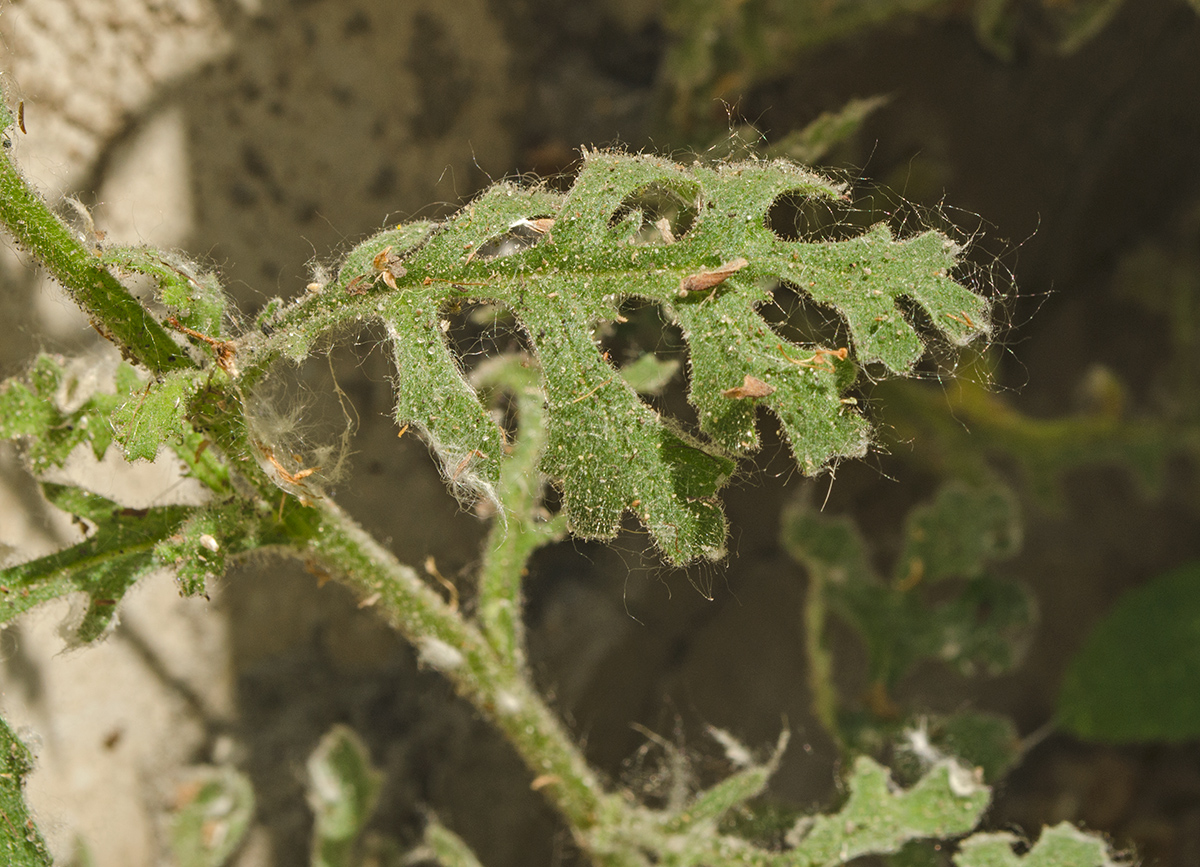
(212,820)
(1060,846)
(1135,679)
(959,430)
(1162,277)
(722,48)
(343,788)
(982,626)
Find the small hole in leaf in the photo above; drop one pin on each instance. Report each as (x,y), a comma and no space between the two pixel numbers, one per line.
(521,235)
(794,317)
(796,217)
(475,331)
(656,214)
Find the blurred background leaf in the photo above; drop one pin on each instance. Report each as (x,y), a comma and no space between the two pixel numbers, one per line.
(1137,678)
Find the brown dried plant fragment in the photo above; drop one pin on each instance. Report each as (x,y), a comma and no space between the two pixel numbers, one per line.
(541,225)
(290,482)
(705,279)
(750,387)
(820,357)
(389,266)
(356,286)
(224,349)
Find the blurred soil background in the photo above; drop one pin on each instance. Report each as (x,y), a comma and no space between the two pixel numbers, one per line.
(266,136)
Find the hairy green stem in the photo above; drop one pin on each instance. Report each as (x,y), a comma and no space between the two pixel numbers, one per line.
(446,642)
(509,546)
(114,312)
(519,530)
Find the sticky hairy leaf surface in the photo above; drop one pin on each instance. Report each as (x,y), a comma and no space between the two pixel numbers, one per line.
(60,404)
(1135,677)
(194,297)
(55,407)
(154,415)
(199,548)
(694,240)
(118,551)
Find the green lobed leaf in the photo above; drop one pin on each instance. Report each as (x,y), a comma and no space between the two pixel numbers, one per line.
(877,819)
(358,282)
(198,550)
(195,298)
(1060,846)
(59,405)
(51,410)
(21,844)
(26,408)
(155,415)
(563,264)
(983,625)
(118,551)
(434,397)
(1135,677)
